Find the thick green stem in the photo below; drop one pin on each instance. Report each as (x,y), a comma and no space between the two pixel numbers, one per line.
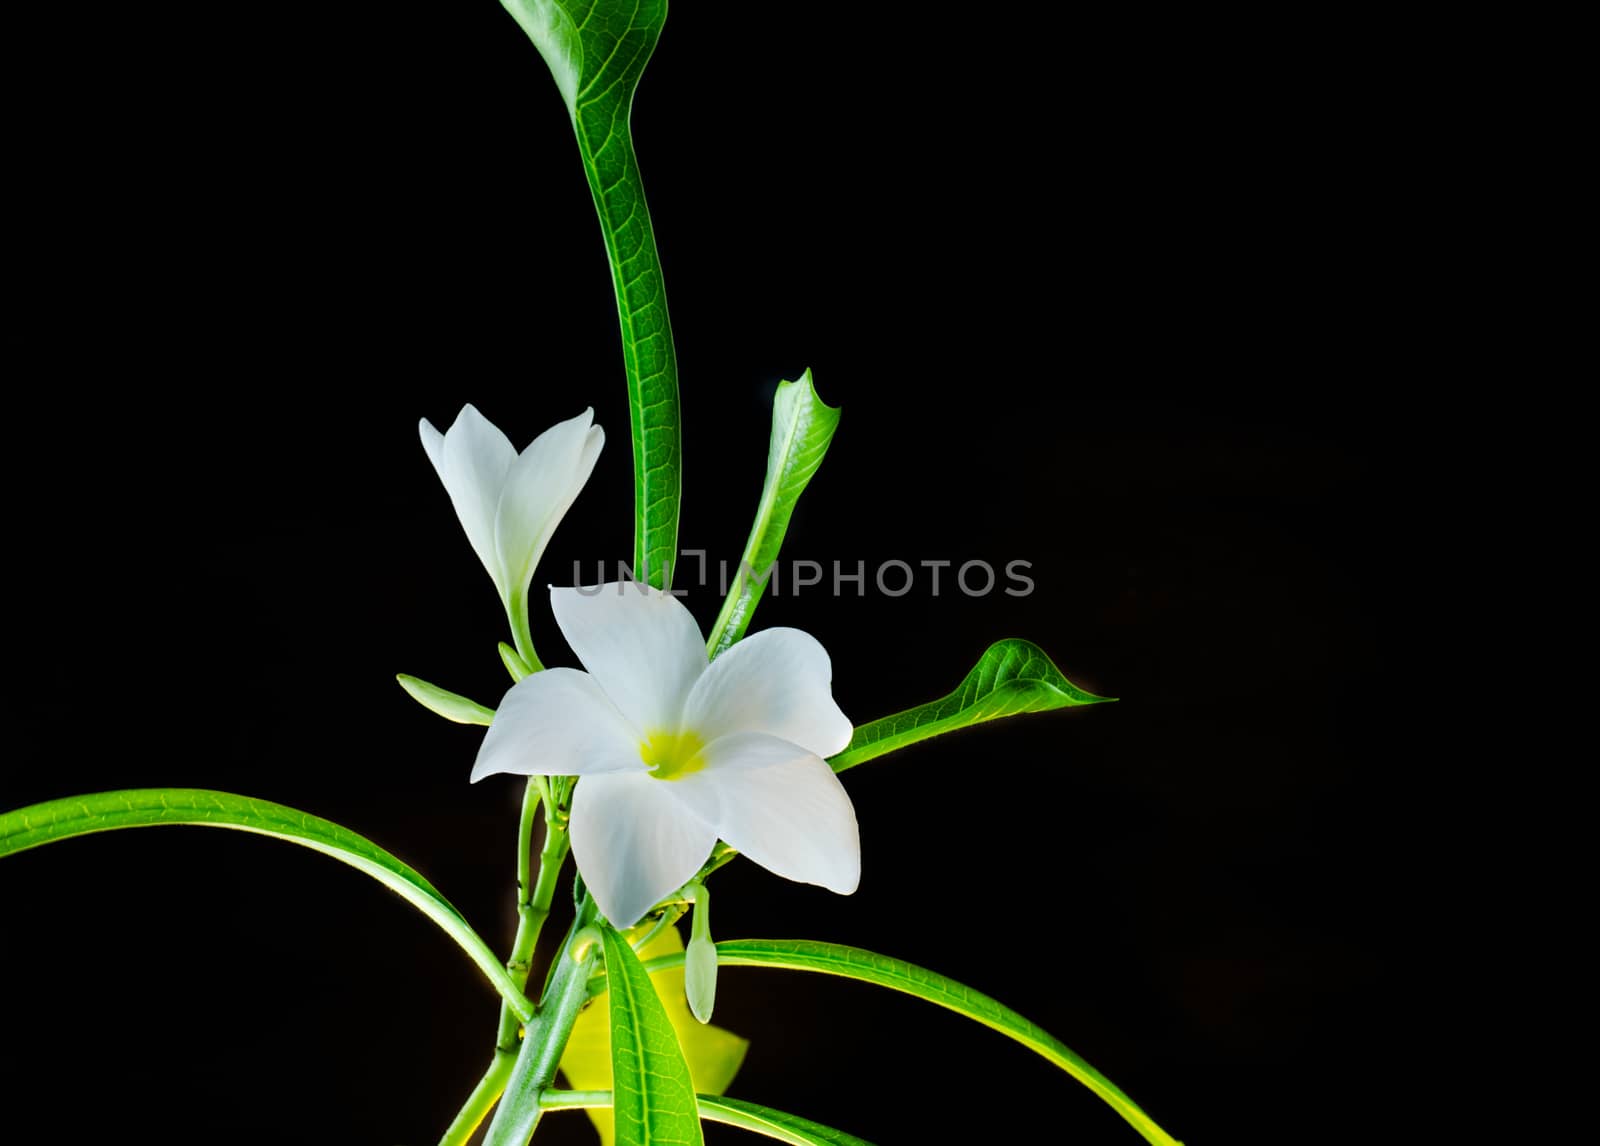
(546,1038)
(483,1097)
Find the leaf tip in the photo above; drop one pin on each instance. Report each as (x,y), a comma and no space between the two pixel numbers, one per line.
(805,380)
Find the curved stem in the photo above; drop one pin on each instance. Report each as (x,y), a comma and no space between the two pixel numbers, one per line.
(482,1099)
(723,855)
(534,897)
(533,902)
(669,916)
(517,614)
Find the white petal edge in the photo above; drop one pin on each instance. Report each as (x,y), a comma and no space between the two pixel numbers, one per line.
(433,443)
(634,843)
(778,804)
(777,681)
(539,488)
(641,644)
(557,723)
(477,457)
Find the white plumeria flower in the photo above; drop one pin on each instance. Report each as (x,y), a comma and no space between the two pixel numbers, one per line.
(510,503)
(675,753)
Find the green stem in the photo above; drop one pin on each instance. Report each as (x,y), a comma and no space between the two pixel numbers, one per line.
(545,1039)
(533,796)
(575,1099)
(534,897)
(517,614)
(533,902)
(483,1097)
(720,857)
(669,916)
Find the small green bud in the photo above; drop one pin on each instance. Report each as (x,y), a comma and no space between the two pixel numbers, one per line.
(700,960)
(515,665)
(447,704)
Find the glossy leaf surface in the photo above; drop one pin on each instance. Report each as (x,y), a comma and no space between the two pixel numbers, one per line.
(597,51)
(1013,676)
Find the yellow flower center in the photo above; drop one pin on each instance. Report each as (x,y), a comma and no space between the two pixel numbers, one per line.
(673,754)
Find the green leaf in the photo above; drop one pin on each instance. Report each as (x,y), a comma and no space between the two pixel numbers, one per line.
(1012,676)
(56,820)
(449,705)
(898,975)
(784,1127)
(713,1054)
(597,50)
(653,1094)
(802,427)
(789,1128)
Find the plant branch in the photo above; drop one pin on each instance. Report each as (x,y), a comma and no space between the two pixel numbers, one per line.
(479,1103)
(533,902)
(521,633)
(545,1038)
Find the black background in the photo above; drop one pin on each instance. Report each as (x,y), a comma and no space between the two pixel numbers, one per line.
(1086,293)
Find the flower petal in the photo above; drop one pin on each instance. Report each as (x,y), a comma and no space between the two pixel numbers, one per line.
(557,723)
(433,443)
(777,681)
(539,488)
(641,644)
(473,464)
(634,843)
(778,804)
